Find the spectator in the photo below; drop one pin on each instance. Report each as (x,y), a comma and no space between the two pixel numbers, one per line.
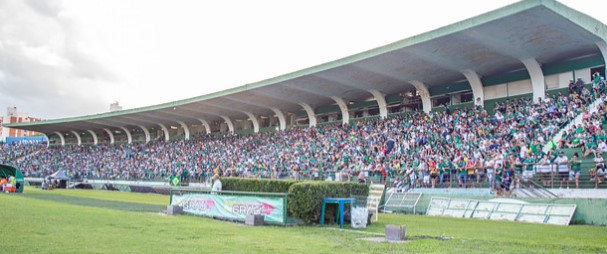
(506,181)
(3,183)
(576,169)
(562,168)
(216,184)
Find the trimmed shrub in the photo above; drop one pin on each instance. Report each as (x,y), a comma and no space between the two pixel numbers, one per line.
(256,185)
(305,198)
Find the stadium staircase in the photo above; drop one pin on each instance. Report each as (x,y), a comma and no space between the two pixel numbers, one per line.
(577,120)
(529,188)
(22,158)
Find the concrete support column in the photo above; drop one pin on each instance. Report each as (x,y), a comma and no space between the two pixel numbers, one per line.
(345,115)
(186,130)
(456,99)
(146,132)
(476,85)
(206,125)
(423,92)
(381,102)
(128,135)
(281,118)
(61,138)
(95,140)
(229,123)
(311,115)
(78,139)
(109,133)
(537,78)
(165,131)
(254,120)
(603,48)
(48,141)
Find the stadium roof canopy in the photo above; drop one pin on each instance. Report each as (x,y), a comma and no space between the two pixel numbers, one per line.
(500,41)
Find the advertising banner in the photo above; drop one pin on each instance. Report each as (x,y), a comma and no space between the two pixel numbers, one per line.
(232,207)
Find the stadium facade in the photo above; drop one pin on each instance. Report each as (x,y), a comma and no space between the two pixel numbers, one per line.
(528,49)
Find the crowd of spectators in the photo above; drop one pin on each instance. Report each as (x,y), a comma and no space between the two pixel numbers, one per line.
(466,147)
(12,152)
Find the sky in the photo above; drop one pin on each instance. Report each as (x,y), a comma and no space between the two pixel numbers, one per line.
(76,57)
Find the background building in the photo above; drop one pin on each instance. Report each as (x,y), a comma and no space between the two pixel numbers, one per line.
(14,116)
(115,107)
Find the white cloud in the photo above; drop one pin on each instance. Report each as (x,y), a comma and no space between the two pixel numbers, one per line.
(75,57)
(43,73)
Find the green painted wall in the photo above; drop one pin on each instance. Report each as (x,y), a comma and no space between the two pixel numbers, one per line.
(363,104)
(465,105)
(393,98)
(267,129)
(547,69)
(327,109)
(244,132)
(450,88)
(490,104)
(505,78)
(576,64)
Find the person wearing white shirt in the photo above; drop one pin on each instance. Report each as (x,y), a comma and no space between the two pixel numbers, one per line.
(490,167)
(216,184)
(562,168)
(498,116)
(598,160)
(523,153)
(602,147)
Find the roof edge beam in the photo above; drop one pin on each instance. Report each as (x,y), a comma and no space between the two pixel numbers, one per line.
(423,92)
(166,132)
(254,120)
(310,111)
(537,78)
(381,102)
(476,84)
(206,125)
(186,130)
(128,135)
(78,139)
(281,118)
(109,133)
(60,137)
(229,123)
(95,140)
(345,115)
(146,132)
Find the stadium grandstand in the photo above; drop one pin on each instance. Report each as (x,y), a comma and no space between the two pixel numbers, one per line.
(511,89)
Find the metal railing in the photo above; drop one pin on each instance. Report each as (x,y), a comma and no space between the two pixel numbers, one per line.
(531,177)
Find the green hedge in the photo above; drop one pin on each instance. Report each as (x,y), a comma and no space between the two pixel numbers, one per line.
(256,185)
(305,198)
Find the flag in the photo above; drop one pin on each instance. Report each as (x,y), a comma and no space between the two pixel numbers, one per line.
(174,181)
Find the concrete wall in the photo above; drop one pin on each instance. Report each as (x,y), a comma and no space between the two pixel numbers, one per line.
(554,81)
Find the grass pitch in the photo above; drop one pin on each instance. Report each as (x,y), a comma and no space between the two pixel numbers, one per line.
(88,221)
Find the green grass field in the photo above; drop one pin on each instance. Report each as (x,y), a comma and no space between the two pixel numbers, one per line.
(88,221)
